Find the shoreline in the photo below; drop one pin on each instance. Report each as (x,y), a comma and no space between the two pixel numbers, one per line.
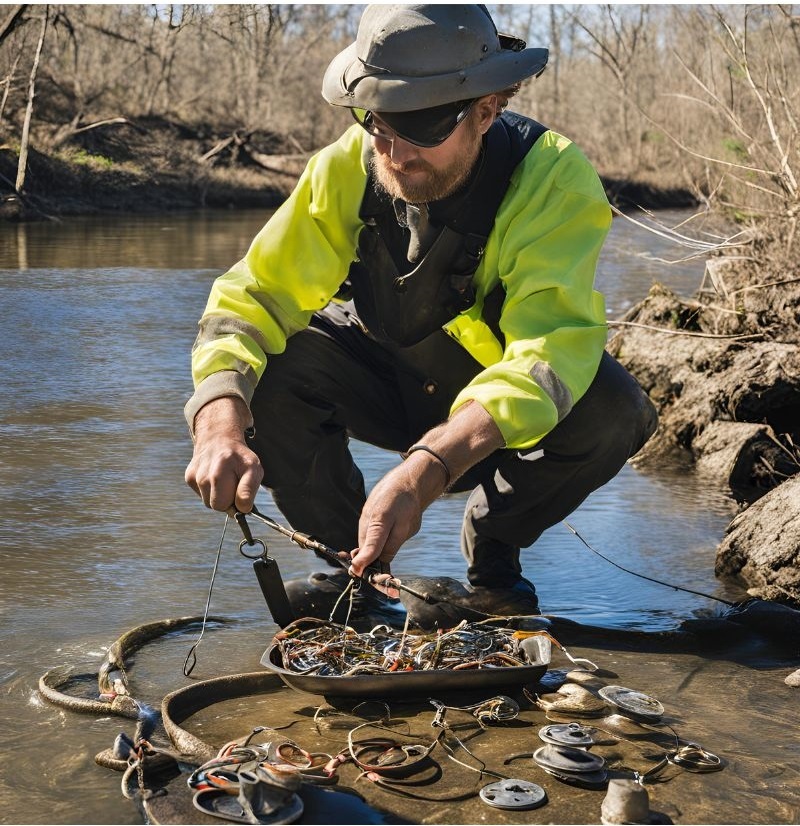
(60,186)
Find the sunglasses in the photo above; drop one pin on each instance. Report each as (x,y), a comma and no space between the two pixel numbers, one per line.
(422,127)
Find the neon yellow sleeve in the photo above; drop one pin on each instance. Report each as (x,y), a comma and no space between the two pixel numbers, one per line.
(543,248)
(293,268)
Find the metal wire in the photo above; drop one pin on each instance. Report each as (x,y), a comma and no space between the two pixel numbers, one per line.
(187,666)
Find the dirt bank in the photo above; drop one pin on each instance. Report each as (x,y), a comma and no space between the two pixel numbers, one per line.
(153,165)
(724,370)
(156,165)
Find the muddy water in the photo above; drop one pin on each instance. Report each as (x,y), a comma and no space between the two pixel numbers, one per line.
(99,533)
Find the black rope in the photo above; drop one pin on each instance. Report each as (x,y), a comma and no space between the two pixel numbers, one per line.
(643,576)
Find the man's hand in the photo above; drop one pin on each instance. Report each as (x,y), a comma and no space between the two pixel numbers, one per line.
(393,511)
(224,471)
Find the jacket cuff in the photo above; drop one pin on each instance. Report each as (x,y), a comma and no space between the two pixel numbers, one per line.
(216,386)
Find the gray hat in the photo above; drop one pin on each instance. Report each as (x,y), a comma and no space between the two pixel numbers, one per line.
(419,56)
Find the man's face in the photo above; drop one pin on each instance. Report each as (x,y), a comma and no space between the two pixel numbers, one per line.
(418,175)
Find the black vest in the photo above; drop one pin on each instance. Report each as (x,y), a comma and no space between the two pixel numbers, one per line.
(402,303)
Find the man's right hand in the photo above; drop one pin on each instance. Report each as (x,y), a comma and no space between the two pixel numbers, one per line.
(224,472)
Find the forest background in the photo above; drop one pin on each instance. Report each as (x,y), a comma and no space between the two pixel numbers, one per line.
(225,99)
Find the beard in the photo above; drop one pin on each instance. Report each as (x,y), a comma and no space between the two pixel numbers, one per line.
(437,183)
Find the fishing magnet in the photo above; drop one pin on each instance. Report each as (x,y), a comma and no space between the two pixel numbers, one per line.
(634,703)
(513,794)
(567,734)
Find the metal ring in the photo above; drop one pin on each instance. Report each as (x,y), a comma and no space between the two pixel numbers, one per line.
(244,544)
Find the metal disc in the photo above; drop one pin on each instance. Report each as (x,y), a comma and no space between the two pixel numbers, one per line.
(567,759)
(586,780)
(513,794)
(567,734)
(632,702)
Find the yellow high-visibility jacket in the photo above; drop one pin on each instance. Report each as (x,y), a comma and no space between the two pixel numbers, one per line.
(543,247)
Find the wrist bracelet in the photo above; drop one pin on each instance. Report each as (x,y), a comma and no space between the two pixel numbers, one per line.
(435,456)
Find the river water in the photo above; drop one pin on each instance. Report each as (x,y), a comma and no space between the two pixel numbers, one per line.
(98,531)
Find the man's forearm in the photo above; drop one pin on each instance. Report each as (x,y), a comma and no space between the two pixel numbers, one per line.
(227,415)
(466,438)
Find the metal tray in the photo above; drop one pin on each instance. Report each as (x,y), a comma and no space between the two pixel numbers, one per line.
(403,682)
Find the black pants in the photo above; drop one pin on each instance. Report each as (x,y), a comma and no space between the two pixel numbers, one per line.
(333,382)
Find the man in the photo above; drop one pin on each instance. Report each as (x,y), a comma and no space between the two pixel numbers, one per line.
(466,240)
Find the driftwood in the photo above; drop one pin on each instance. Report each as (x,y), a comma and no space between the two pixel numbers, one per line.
(698,382)
(290,165)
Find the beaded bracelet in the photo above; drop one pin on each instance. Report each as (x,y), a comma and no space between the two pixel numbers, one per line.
(435,456)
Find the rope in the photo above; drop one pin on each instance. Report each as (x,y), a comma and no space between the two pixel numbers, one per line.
(643,576)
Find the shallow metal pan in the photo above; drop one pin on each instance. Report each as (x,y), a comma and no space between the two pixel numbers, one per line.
(409,683)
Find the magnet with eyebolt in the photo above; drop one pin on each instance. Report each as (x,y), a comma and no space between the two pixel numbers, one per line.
(513,794)
(632,703)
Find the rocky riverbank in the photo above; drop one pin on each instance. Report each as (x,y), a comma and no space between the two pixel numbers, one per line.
(724,370)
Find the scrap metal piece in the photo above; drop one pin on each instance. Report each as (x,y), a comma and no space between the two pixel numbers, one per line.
(513,794)
(567,734)
(567,759)
(635,703)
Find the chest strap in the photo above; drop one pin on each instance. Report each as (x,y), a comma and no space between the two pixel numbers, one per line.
(403,303)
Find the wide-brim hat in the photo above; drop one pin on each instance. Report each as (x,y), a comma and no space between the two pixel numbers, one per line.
(419,56)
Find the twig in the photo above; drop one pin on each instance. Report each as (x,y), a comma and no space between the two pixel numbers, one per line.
(97,124)
(682,332)
(764,286)
(685,240)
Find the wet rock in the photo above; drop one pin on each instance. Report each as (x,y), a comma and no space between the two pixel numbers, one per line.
(731,451)
(725,402)
(587,679)
(572,699)
(793,679)
(762,545)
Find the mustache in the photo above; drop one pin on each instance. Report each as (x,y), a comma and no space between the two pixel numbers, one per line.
(416,165)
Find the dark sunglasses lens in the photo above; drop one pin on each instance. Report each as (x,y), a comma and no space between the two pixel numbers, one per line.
(427,127)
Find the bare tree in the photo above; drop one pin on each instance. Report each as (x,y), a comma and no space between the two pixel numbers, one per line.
(22,166)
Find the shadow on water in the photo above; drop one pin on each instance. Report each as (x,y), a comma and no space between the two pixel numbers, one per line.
(98,532)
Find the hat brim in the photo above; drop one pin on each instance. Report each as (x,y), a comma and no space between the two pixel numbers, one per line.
(348,83)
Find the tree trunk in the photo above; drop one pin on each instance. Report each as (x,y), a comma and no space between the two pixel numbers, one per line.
(8,81)
(26,126)
(12,20)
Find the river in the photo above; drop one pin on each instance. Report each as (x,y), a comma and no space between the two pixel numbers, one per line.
(98,531)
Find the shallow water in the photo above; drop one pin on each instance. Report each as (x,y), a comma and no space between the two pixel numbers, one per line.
(98,531)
